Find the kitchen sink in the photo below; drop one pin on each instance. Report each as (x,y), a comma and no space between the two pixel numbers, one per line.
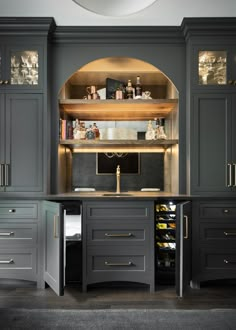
(116,194)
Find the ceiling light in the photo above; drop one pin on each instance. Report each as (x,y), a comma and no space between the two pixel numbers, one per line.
(114,7)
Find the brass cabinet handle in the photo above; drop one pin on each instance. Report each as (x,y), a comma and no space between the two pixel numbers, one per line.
(186,226)
(118,235)
(125,264)
(229,234)
(55,231)
(234,184)
(229,175)
(6,174)
(229,262)
(1,175)
(7,234)
(11,261)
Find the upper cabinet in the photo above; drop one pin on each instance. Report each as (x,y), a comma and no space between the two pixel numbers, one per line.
(214,66)
(21,65)
(24,167)
(211,86)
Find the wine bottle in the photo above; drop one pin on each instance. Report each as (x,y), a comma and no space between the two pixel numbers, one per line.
(138,88)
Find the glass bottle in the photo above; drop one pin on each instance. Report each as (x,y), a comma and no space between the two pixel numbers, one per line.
(90,134)
(150,133)
(138,88)
(129,90)
(96,131)
(82,130)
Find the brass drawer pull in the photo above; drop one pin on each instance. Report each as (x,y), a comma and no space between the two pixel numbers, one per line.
(11,210)
(11,261)
(118,235)
(125,264)
(229,234)
(7,234)
(229,262)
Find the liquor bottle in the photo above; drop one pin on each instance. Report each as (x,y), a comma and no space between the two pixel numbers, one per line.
(96,131)
(129,90)
(82,130)
(90,134)
(138,88)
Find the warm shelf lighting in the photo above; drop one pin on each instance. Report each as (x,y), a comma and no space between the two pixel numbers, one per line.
(119,150)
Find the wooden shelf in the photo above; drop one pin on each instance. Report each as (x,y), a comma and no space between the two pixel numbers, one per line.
(114,145)
(117,109)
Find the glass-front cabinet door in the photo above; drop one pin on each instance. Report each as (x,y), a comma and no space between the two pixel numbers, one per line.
(21,67)
(24,67)
(215,66)
(212,67)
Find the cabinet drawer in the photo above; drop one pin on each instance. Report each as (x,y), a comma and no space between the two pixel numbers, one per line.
(18,211)
(117,233)
(18,234)
(18,263)
(212,259)
(218,211)
(121,261)
(119,211)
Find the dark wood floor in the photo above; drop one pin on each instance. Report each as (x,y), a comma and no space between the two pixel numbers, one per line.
(221,294)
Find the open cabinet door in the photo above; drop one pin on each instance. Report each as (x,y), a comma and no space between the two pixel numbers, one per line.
(53,246)
(183,247)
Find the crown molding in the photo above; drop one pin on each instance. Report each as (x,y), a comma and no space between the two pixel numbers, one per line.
(26,26)
(213,26)
(118,35)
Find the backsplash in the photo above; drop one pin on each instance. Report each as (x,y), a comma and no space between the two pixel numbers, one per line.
(151,173)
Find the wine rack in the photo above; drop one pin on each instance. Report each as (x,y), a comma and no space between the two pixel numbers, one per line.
(165,240)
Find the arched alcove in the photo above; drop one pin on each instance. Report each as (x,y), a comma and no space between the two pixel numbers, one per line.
(122,69)
(110,113)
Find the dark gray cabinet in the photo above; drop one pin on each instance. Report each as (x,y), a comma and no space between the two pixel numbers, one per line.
(118,243)
(19,241)
(211,87)
(213,241)
(24,129)
(213,147)
(21,148)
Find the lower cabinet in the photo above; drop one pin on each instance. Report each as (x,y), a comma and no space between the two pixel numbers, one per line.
(19,244)
(214,241)
(119,242)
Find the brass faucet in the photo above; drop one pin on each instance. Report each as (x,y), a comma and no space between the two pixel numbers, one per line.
(118,179)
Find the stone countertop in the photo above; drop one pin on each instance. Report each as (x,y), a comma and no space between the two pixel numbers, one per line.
(128,195)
